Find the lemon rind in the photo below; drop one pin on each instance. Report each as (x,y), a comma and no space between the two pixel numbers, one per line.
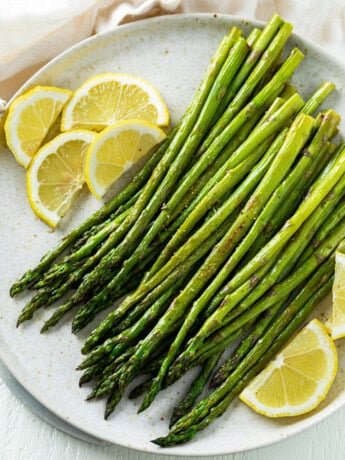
(248,394)
(49,217)
(121,125)
(156,99)
(11,123)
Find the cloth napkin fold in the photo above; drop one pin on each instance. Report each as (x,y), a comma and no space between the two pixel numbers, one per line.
(34,31)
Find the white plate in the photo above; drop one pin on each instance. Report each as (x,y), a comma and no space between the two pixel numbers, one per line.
(172,53)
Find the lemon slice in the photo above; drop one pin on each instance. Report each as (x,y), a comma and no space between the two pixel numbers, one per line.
(116,149)
(337,320)
(106,98)
(56,174)
(29,118)
(298,379)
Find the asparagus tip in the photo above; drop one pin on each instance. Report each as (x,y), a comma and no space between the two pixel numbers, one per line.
(90,396)
(163,441)
(44,328)
(20,321)
(158,441)
(173,420)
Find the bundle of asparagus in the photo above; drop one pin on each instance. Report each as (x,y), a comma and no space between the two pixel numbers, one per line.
(228,232)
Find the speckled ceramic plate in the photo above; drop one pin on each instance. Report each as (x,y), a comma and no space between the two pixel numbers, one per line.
(172,53)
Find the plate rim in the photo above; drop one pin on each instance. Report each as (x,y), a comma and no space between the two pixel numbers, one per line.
(315,420)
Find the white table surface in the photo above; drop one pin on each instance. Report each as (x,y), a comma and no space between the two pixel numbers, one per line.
(24,436)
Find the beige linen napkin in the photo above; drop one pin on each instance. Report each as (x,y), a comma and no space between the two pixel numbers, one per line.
(34,31)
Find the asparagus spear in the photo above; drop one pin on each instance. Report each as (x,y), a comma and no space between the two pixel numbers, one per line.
(215,172)
(195,389)
(242,313)
(315,100)
(118,253)
(83,316)
(291,204)
(115,345)
(333,220)
(281,116)
(275,337)
(305,233)
(306,208)
(155,168)
(209,350)
(115,317)
(257,49)
(171,166)
(95,370)
(71,261)
(234,202)
(281,193)
(246,344)
(34,274)
(321,93)
(298,135)
(210,191)
(242,95)
(96,228)
(312,154)
(112,402)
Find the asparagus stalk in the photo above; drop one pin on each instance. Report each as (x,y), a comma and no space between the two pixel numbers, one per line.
(195,389)
(84,316)
(219,144)
(209,350)
(96,228)
(115,345)
(113,319)
(34,274)
(156,167)
(316,99)
(320,94)
(210,191)
(242,315)
(280,194)
(215,172)
(257,49)
(234,202)
(275,337)
(306,208)
(279,292)
(70,262)
(243,94)
(308,229)
(333,220)
(281,116)
(172,164)
(266,94)
(295,141)
(246,344)
(305,165)
(291,204)
(112,402)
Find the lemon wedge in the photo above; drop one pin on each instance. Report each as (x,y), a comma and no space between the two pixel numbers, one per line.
(116,149)
(337,321)
(106,98)
(298,379)
(56,174)
(29,118)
